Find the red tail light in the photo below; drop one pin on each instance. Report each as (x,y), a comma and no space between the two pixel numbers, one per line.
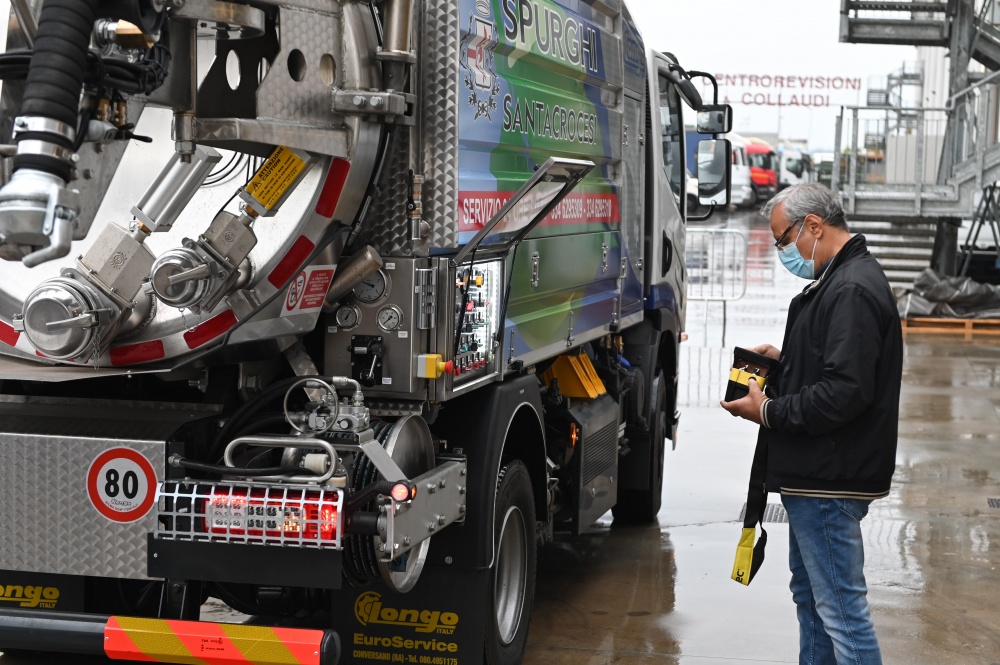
(268,514)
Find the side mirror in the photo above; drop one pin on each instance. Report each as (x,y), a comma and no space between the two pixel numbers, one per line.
(715,165)
(690,95)
(715,119)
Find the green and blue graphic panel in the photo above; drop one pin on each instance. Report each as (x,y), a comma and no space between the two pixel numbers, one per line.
(540,79)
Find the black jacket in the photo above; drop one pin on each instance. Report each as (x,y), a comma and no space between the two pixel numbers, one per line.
(831,424)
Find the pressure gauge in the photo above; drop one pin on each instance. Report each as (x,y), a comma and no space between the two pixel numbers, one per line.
(373,289)
(389,318)
(348,317)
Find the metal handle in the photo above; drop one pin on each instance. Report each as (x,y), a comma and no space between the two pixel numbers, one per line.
(285,442)
(85,320)
(200,271)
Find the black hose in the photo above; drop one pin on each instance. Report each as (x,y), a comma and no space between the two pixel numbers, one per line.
(221,469)
(252,407)
(55,77)
(361,523)
(134,78)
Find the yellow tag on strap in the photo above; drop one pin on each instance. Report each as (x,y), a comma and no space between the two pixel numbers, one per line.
(744,557)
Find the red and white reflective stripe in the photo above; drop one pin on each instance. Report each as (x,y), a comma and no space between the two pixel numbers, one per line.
(8,335)
(290,264)
(209,330)
(132,354)
(336,178)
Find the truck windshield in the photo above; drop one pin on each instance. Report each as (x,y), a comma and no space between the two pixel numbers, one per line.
(794,166)
(762,160)
(672,128)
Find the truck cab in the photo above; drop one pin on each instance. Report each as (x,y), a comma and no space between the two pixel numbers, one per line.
(796,167)
(763,169)
(742,183)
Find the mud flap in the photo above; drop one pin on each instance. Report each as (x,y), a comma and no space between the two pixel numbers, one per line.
(39,591)
(441,621)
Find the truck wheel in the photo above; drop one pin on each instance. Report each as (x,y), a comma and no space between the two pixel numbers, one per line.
(642,506)
(754,197)
(512,577)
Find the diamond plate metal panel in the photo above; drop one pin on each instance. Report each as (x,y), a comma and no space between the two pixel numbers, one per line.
(440,69)
(386,227)
(306,36)
(438,93)
(47,522)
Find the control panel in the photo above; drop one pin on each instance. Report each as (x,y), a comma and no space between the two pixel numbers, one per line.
(478,295)
(375,330)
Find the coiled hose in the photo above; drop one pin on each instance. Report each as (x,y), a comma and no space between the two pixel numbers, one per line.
(55,78)
(360,560)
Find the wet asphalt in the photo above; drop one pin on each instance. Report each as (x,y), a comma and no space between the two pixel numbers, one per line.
(662,593)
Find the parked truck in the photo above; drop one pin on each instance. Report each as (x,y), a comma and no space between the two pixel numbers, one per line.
(401,299)
(763,170)
(795,165)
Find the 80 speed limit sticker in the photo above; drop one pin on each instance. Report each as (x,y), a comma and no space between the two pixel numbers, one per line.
(121,484)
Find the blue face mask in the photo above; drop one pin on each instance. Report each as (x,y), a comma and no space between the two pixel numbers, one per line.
(793,261)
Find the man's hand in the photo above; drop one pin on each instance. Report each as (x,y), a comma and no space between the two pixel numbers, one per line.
(767,350)
(748,407)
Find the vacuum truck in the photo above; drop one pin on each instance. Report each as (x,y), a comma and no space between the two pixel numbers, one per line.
(332,310)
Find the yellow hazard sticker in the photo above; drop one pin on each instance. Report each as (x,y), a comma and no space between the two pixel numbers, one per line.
(273,179)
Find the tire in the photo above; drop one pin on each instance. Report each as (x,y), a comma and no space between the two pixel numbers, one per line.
(512,576)
(754,197)
(641,506)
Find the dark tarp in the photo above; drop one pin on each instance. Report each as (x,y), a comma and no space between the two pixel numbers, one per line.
(938,296)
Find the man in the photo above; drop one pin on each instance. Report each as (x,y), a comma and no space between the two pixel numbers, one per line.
(829,420)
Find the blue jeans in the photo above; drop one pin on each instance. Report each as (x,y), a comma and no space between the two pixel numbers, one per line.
(827,558)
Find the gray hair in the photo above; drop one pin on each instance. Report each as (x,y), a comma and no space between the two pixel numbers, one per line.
(809,198)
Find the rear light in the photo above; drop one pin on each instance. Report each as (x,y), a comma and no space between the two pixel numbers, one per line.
(270,514)
(403,492)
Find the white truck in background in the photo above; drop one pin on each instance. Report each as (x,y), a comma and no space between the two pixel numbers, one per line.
(795,165)
(741,183)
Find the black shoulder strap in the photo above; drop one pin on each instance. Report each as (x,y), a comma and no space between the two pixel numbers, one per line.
(750,555)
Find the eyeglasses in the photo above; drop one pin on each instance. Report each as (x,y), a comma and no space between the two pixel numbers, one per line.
(777,243)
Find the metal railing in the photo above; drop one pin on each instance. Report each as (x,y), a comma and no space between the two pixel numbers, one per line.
(916,147)
(716,262)
(705,372)
(885,146)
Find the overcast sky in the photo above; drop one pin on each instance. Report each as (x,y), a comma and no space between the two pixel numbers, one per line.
(775,38)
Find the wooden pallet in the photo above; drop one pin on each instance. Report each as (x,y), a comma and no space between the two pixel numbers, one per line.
(968,328)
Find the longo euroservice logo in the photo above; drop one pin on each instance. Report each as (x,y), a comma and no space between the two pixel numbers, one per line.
(369,611)
(30,596)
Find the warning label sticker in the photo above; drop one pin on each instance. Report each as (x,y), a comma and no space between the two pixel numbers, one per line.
(273,179)
(121,484)
(308,290)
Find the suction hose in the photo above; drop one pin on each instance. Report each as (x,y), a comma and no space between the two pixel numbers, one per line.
(52,94)
(37,210)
